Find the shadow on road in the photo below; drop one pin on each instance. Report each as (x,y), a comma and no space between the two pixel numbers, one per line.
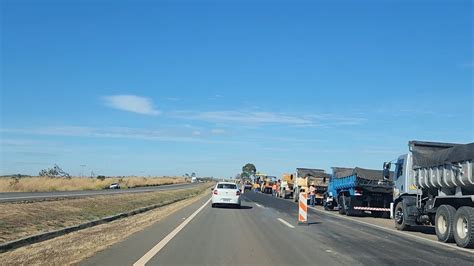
(230,206)
(429,230)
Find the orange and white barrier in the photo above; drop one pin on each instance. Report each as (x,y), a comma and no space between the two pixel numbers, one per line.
(303,208)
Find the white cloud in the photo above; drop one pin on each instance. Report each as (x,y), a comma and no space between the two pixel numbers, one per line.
(242,117)
(131,103)
(218,131)
(167,134)
(254,118)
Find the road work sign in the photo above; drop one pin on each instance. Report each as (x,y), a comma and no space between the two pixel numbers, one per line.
(303,208)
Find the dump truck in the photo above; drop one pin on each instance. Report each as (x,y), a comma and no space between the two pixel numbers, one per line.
(267,184)
(286,187)
(354,191)
(306,177)
(434,184)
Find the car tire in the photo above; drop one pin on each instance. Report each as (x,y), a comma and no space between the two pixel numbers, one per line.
(464,227)
(213,205)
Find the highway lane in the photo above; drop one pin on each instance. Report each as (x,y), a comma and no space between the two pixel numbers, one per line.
(265,232)
(32,196)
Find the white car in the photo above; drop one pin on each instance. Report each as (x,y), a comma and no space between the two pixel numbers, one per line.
(226,193)
(114,186)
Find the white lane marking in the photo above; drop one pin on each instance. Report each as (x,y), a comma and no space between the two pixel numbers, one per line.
(285,223)
(258,205)
(395,231)
(150,254)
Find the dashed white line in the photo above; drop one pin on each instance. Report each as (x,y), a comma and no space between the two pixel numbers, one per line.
(285,223)
(258,205)
(150,254)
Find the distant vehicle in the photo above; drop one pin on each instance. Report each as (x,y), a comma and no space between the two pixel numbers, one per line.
(226,193)
(248,186)
(356,190)
(114,186)
(306,177)
(434,184)
(194,179)
(286,187)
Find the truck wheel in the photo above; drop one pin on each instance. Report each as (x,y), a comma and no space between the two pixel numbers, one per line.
(348,205)
(464,227)
(444,223)
(399,217)
(342,205)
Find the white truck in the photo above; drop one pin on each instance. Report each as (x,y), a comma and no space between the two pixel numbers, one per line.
(434,184)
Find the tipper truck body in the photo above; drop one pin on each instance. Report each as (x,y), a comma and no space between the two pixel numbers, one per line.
(306,177)
(434,184)
(286,187)
(356,190)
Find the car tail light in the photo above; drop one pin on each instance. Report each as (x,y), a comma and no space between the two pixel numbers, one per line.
(215,192)
(237,193)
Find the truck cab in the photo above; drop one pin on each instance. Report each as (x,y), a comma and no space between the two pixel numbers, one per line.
(404,180)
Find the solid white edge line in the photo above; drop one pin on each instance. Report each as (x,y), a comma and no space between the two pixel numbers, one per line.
(285,223)
(150,254)
(453,246)
(259,205)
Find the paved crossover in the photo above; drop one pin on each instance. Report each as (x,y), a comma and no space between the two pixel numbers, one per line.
(265,232)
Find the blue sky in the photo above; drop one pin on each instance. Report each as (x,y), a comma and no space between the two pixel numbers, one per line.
(170,87)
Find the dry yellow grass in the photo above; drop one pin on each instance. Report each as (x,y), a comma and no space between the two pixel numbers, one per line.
(19,220)
(39,184)
(72,248)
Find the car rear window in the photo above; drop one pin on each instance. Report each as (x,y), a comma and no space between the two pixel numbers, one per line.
(227,186)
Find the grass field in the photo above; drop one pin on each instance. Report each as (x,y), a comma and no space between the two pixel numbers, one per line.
(40,184)
(19,220)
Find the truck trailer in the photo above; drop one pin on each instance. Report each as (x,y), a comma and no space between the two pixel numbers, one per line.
(434,184)
(354,191)
(306,177)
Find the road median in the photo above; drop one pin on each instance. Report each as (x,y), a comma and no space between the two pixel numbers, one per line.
(26,223)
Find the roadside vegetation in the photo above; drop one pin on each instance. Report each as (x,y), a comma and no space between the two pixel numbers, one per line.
(18,220)
(44,183)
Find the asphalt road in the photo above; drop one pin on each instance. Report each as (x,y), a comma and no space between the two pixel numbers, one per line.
(265,232)
(31,196)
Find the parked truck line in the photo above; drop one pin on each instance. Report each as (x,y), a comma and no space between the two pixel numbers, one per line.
(434,184)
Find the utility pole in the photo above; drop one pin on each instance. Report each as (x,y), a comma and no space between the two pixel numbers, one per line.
(82,169)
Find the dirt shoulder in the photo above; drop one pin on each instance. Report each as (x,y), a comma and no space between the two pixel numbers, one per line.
(18,220)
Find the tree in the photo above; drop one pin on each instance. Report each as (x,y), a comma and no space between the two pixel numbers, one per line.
(56,171)
(248,170)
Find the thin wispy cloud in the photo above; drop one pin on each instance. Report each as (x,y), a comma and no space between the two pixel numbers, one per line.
(254,118)
(170,134)
(218,131)
(241,117)
(131,103)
